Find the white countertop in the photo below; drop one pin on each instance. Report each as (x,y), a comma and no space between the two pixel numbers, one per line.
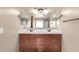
(40,32)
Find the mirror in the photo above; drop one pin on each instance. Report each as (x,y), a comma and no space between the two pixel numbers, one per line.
(53,23)
(24,22)
(41,22)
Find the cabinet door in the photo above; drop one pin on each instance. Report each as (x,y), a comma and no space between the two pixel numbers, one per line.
(52,42)
(56,43)
(40,43)
(22,42)
(27,43)
(47,43)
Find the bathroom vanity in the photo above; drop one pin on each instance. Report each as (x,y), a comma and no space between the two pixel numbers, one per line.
(40,32)
(40,42)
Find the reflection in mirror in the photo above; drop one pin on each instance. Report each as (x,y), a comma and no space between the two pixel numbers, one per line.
(24,22)
(39,24)
(46,23)
(33,21)
(53,23)
(42,23)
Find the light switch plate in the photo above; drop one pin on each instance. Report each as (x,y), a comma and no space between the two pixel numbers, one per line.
(1,30)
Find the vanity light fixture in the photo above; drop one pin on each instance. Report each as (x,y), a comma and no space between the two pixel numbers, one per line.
(40,11)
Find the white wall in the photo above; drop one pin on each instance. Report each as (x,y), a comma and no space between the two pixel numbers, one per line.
(71,36)
(8,21)
(70,31)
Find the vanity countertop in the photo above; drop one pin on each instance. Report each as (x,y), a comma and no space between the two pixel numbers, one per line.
(39,32)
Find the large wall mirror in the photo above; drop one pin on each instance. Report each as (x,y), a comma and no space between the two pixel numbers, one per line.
(41,22)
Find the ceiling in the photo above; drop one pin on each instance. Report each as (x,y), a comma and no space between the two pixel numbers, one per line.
(67,12)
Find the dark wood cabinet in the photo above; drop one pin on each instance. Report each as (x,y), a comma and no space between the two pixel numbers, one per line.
(40,42)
